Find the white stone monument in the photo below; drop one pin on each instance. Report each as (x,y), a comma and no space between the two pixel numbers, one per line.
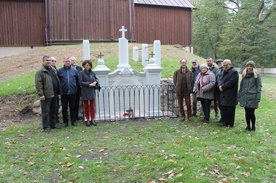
(135,53)
(123,51)
(157,52)
(126,89)
(145,57)
(85,50)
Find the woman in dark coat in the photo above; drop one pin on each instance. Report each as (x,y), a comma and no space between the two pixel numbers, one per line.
(250,93)
(88,82)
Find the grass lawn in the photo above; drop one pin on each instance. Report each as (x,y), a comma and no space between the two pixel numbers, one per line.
(143,151)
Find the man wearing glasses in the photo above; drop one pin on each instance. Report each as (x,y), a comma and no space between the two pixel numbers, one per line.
(229,93)
(48,88)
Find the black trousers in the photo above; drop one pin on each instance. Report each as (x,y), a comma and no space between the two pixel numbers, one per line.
(206,105)
(48,111)
(71,100)
(228,113)
(78,95)
(250,116)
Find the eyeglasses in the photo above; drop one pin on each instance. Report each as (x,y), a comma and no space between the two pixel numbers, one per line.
(54,61)
(48,60)
(225,65)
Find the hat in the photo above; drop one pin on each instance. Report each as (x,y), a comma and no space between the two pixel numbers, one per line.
(250,63)
(219,60)
(194,60)
(53,58)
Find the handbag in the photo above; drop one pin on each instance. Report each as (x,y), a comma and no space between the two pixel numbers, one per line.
(98,86)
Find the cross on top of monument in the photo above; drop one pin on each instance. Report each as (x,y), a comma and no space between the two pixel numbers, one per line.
(123,30)
(152,54)
(100,55)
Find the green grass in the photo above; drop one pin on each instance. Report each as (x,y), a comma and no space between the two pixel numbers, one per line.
(18,85)
(143,151)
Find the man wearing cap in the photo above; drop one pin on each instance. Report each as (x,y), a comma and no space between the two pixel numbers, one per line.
(217,92)
(183,81)
(214,69)
(195,70)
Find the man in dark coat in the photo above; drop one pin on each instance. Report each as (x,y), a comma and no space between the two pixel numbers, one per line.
(47,88)
(229,92)
(214,69)
(183,81)
(69,80)
(78,94)
(195,70)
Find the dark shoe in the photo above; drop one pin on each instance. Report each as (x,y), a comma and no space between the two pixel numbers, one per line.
(74,124)
(47,130)
(55,127)
(247,128)
(194,114)
(253,129)
(189,119)
(93,122)
(87,124)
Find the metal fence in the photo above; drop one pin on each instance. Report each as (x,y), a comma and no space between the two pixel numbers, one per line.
(134,102)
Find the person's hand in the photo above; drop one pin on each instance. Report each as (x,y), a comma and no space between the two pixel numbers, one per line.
(42,98)
(220,88)
(93,84)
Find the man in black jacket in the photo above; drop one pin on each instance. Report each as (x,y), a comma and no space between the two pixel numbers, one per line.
(229,92)
(47,88)
(69,80)
(78,94)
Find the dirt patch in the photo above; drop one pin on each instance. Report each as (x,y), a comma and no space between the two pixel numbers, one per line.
(16,109)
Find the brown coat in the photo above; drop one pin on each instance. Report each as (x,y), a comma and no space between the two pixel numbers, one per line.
(177,76)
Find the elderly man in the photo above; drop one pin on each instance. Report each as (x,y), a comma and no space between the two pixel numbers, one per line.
(214,69)
(217,92)
(183,80)
(229,93)
(47,87)
(68,77)
(78,94)
(195,70)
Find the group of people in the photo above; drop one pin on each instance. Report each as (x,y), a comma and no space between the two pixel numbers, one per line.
(219,84)
(71,82)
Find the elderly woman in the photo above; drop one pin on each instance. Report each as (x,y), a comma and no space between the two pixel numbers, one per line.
(88,82)
(250,93)
(204,88)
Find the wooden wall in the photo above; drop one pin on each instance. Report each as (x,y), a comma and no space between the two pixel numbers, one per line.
(22,22)
(97,20)
(170,25)
(48,22)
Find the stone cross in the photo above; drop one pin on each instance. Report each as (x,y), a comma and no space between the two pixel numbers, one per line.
(152,54)
(100,55)
(123,30)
